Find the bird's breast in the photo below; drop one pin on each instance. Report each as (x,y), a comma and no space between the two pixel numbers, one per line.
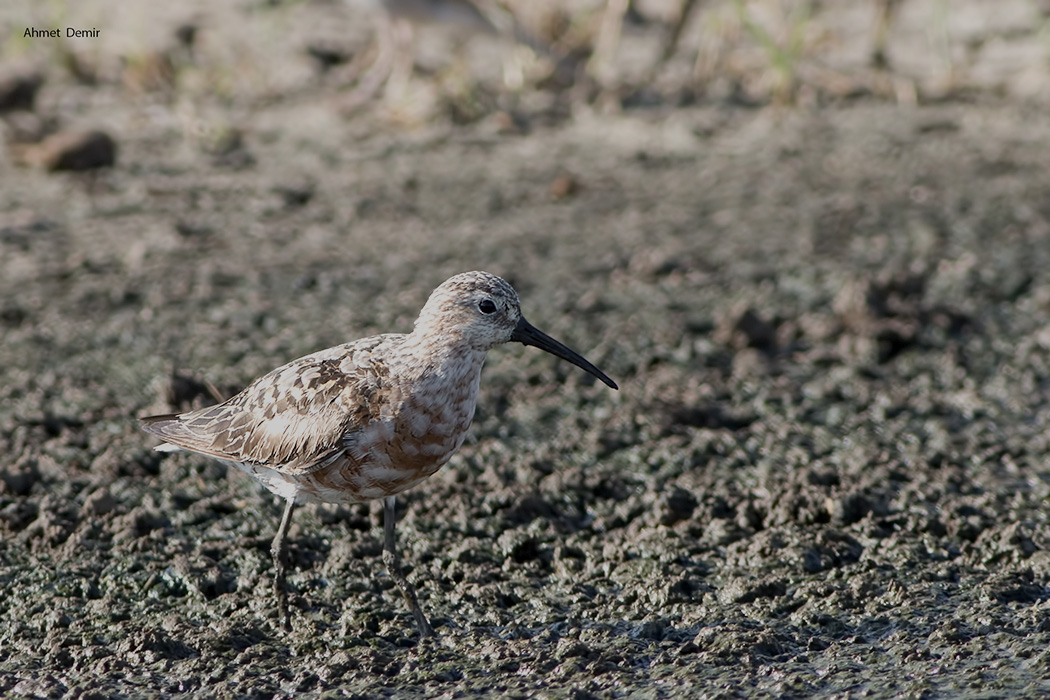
(420,427)
(430,422)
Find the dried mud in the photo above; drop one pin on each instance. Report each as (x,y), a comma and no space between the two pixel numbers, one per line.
(825,472)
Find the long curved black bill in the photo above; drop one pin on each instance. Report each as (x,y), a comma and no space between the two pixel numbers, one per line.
(527,334)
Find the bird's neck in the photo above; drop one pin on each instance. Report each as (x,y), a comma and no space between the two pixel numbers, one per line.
(443,356)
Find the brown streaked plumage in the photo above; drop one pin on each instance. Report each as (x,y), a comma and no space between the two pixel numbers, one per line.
(367,419)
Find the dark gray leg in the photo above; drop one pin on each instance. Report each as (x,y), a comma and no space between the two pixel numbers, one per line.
(393,566)
(279,551)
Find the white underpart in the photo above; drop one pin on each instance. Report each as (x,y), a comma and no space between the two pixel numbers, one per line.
(274,481)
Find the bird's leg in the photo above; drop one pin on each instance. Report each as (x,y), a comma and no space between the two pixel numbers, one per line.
(279,551)
(393,567)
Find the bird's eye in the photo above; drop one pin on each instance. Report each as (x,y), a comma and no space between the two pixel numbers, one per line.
(487,306)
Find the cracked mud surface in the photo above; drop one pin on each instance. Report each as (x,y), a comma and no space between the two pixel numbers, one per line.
(825,473)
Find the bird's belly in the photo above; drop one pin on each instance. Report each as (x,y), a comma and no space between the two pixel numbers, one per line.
(385,470)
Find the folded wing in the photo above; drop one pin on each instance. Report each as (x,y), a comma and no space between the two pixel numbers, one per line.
(296,419)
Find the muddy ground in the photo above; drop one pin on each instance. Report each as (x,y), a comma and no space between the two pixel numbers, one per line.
(825,472)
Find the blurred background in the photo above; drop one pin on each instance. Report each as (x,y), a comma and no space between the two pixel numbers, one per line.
(417,62)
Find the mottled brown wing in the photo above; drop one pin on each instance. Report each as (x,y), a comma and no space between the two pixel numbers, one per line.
(298,418)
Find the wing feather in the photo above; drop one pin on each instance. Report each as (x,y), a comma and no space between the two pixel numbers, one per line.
(298,418)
